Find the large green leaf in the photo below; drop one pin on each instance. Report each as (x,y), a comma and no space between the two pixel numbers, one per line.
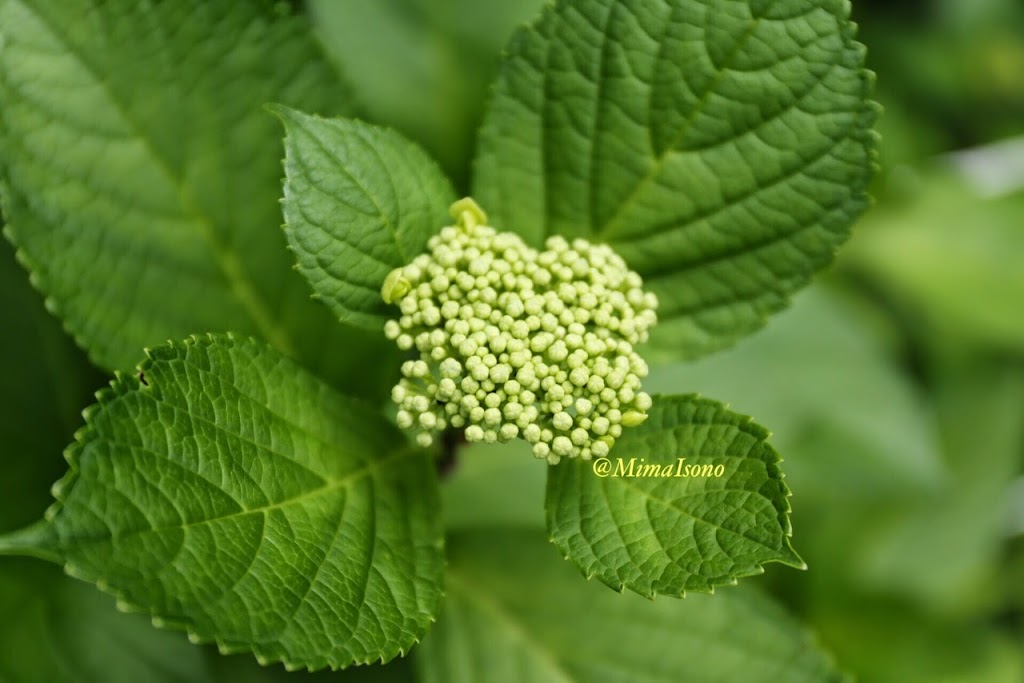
(140,176)
(643,520)
(515,613)
(54,629)
(722,147)
(57,630)
(359,201)
(228,492)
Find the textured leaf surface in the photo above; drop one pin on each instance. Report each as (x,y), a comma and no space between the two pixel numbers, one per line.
(140,176)
(652,533)
(359,201)
(229,492)
(722,146)
(515,613)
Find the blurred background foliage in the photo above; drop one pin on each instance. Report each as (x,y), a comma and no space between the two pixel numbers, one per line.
(895,385)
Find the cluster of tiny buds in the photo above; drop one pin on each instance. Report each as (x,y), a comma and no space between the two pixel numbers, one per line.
(519,343)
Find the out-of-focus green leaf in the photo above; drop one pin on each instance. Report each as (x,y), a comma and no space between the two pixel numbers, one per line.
(140,175)
(888,642)
(514,612)
(951,258)
(44,383)
(954,66)
(495,485)
(54,629)
(657,534)
(722,147)
(943,549)
(245,669)
(422,66)
(847,420)
(359,201)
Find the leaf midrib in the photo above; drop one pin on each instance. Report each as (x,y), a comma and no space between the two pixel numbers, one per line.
(607,231)
(344,168)
(670,505)
(227,261)
(368,469)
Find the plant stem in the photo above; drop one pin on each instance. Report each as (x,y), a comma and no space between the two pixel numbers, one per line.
(37,540)
(451,440)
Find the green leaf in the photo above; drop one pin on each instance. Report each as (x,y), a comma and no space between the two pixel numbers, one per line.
(140,176)
(359,201)
(228,492)
(723,147)
(429,78)
(515,613)
(950,257)
(888,641)
(641,520)
(494,484)
(245,669)
(57,630)
(44,384)
(849,419)
(979,409)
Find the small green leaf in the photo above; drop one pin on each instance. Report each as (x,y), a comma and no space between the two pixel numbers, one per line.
(139,174)
(641,520)
(515,613)
(359,201)
(226,491)
(723,147)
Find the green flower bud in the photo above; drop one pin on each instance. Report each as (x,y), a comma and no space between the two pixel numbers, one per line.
(518,343)
(395,286)
(633,418)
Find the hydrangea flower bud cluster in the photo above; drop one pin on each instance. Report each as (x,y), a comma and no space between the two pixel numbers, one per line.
(515,342)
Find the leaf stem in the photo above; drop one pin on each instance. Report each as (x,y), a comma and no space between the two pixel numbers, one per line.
(37,540)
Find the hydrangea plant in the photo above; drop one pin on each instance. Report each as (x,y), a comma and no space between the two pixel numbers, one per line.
(658,178)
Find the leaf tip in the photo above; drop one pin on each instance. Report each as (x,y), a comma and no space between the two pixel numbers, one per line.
(791,558)
(279,111)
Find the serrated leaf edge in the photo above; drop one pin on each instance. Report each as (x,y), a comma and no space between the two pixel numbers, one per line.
(122,384)
(789,556)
